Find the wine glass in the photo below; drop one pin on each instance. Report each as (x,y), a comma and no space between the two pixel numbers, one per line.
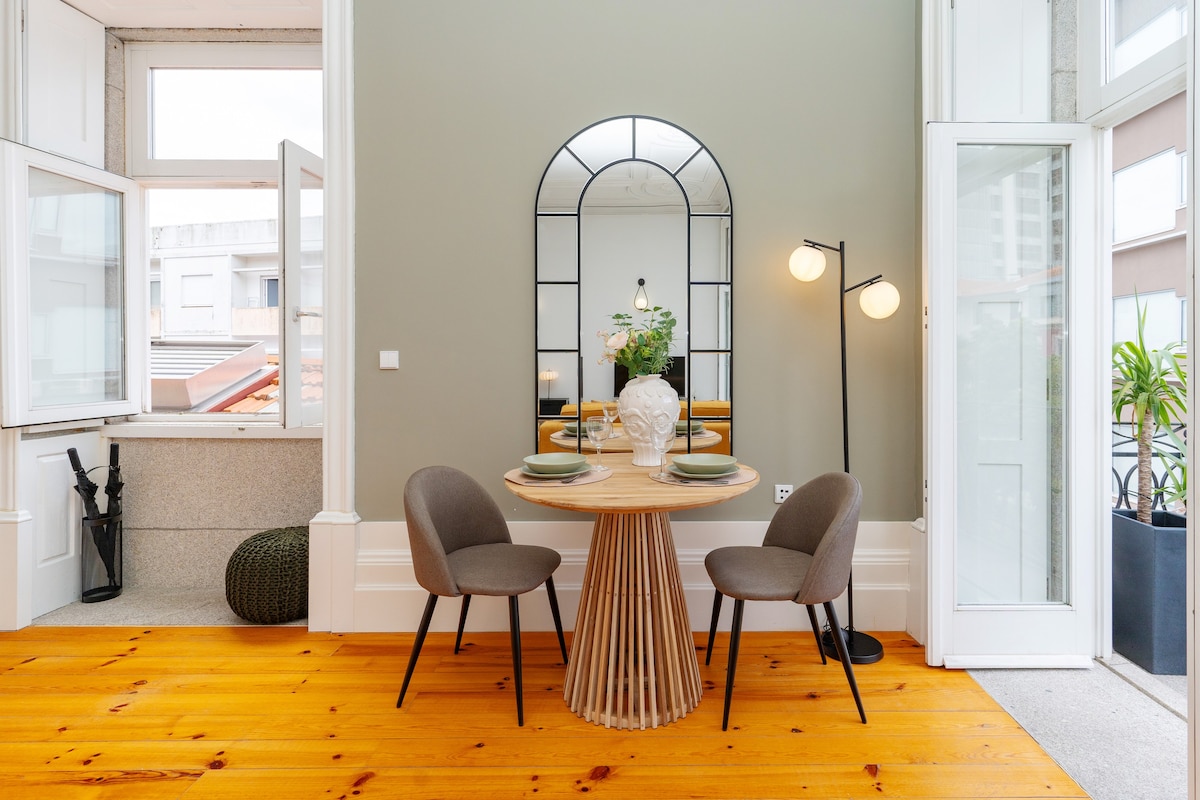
(664,440)
(598,429)
(610,412)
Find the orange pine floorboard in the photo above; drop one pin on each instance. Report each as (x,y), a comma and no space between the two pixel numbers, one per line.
(278,712)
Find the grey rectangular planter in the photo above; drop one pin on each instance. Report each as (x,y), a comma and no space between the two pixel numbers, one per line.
(1149,577)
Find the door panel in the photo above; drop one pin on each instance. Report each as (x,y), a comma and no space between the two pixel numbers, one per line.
(45,489)
(1015,471)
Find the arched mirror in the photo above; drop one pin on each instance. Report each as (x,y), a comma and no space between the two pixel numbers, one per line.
(633,209)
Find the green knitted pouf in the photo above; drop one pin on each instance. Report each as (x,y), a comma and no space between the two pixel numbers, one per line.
(266,579)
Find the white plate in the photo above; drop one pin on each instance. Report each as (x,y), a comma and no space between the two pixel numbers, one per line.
(701,476)
(528,473)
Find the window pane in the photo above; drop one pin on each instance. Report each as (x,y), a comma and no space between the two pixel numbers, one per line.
(233,113)
(1137,29)
(76,290)
(1145,197)
(1011,271)
(1164,318)
(215,329)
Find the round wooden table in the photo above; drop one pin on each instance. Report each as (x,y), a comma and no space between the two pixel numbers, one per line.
(633,661)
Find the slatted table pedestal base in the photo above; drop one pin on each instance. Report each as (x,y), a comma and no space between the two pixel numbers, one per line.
(633,662)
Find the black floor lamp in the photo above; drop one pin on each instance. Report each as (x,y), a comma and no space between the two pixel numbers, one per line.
(879,299)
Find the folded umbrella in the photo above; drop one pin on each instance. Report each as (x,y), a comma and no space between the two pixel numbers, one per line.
(104,536)
(112,488)
(84,486)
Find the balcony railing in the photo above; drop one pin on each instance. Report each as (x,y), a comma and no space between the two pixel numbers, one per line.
(1125,468)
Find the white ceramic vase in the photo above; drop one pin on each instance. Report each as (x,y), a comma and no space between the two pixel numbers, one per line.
(647,404)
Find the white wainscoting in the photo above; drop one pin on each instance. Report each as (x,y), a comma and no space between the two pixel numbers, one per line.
(388,598)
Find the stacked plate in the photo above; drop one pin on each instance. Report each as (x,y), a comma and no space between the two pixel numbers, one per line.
(703,466)
(555,465)
(681,427)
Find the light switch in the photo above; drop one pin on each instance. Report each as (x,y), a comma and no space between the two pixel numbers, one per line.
(389,359)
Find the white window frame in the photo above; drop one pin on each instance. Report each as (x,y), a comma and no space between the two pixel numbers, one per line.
(18,411)
(1183,179)
(264,283)
(141,58)
(1166,225)
(1103,102)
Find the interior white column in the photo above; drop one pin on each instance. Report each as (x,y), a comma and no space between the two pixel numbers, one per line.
(333,532)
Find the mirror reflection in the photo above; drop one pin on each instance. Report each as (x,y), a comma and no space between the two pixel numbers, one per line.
(630,200)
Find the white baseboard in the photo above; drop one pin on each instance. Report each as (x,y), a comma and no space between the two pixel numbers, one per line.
(388,598)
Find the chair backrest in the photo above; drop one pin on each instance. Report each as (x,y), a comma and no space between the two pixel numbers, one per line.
(446,510)
(821,519)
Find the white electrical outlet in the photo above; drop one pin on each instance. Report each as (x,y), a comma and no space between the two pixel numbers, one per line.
(782,490)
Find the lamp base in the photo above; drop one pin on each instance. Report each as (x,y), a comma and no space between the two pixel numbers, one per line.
(862,648)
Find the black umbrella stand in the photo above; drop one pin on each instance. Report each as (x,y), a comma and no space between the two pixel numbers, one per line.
(100,554)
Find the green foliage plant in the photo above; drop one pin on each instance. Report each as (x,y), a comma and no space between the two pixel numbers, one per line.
(1152,385)
(642,349)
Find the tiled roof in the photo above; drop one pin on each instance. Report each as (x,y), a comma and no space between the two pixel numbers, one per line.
(262,397)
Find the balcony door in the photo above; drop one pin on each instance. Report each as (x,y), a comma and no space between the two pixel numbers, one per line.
(1015,405)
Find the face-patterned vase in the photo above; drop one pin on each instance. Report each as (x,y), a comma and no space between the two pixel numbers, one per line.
(647,404)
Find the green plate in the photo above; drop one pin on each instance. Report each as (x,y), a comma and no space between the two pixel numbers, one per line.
(701,476)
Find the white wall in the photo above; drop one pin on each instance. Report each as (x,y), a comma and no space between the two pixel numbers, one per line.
(388,598)
(618,249)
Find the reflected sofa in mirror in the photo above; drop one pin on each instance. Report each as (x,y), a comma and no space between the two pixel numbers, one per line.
(633,207)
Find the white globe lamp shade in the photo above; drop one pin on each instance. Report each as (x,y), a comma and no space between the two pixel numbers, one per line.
(879,300)
(806,263)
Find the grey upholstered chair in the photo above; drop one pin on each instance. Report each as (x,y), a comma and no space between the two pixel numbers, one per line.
(805,557)
(461,546)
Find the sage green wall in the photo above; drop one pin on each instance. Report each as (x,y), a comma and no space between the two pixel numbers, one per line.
(811,108)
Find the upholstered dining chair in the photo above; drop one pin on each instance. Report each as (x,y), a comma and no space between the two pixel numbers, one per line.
(461,547)
(805,557)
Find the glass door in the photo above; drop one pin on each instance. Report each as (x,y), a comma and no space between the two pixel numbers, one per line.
(1013,351)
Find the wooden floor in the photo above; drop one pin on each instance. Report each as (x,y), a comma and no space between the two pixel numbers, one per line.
(277,712)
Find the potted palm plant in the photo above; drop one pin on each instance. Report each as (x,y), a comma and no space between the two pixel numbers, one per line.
(1149,568)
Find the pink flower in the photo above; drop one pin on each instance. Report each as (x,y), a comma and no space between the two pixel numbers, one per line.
(617,340)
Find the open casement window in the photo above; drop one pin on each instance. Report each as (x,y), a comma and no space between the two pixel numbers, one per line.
(71,280)
(302,245)
(235,228)
(236,320)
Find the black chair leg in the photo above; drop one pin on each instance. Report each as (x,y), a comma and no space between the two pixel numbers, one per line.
(839,641)
(562,643)
(416,651)
(712,627)
(514,629)
(735,640)
(462,622)
(812,617)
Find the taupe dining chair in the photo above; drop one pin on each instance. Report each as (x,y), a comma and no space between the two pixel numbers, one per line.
(805,557)
(461,546)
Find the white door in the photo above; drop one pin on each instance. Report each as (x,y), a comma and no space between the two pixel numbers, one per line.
(45,489)
(1016,407)
(302,246)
